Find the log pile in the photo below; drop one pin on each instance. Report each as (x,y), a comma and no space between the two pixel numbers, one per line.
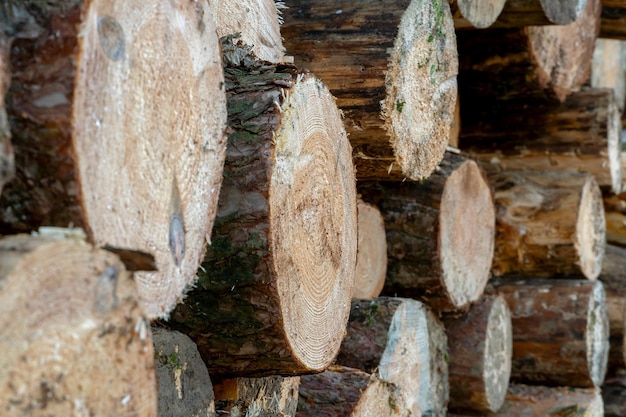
(226,261)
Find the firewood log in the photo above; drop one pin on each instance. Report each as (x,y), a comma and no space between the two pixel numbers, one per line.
(581,134)
(609,68)
(185,387)
(404,343)
(74,339)
(118,114)
(475,14)
(613,19)
(346,392)
(7,157)
(548,224)
(439,234)
(613,277)
(521,13)
(480,343)
(273,294)
(540,61)
(371,257)
(392,66)
(560,331)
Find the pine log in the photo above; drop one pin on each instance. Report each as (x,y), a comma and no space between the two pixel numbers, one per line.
(613,19)
(7,157)
(73,337)
(392,66)
(371,257)
(476,14)
(404,343)
(536,61)
(560,331)
(616,228)
(271,396)
(581,134)
(435,254)
(613,277)
(256,21)
(548,224)
(521,13)
(273,294)
(609,68)
(118,113)
(345,392)
(184,384)
(480,355)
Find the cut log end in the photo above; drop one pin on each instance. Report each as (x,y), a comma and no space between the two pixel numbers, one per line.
(371,261)
(313,213)
(423,64)
(481,14)
(467,228)
(590,230)
(597,335)
(150,170)
(498,348)
(562,12)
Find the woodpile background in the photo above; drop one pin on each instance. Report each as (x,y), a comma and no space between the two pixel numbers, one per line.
(311,208)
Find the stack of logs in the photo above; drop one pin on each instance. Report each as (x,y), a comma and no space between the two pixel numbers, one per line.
(306,214)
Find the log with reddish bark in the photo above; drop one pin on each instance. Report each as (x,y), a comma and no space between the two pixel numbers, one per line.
(269,396)
(541,61)
(273,293)
(256,21)
(185,387)
(609,68)
(439,234)
(581,134)
(613,19)
(404,343)
(118,114)
(560,331)
(347,392)
(392,66)
(475,14)
(74,338)
(371,257)
(613,277)
(548,224)
(481,346)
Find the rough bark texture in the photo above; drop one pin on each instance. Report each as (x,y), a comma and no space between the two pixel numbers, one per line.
(475,14)
(480,356)
(613,277)
(271,396)
(118,112)
(614,396)
(402,341)
(560,331)
(540,61)
(548,224)
(613,19)
(7,158)
(609,68)
(273,294)
(346,392)
(371,257)
(392,66)
(185,387)
(580,135)
(257,22)
(520,13)
(435,253)
(73,336)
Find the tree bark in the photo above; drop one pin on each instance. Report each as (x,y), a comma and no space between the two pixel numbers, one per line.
(257,22)
(609,68)
(582,134)
(560,331)
(613,397)
(548,224)
(273,293)
(7,157)
(371,257)
(404,343)
(536,61)
(118,115)
(392,66)
(613,277)
(345,392)
(613,19)
(271,396)
(521,13)
(480,356)
(184,385)
(435,253)
(69,312)
(477,14)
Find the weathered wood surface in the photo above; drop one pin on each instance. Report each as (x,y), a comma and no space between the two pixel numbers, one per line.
(435,254)
(273,293)
(270,396)
(521,13)
(476,14)
(613,277)
(402,341)
(392,66)
(481,348)
(548,224)
(7,157)
(609,68)
(560,331)
(74,338)
(118,113)
(371,257)
(581,134)
(613,19)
